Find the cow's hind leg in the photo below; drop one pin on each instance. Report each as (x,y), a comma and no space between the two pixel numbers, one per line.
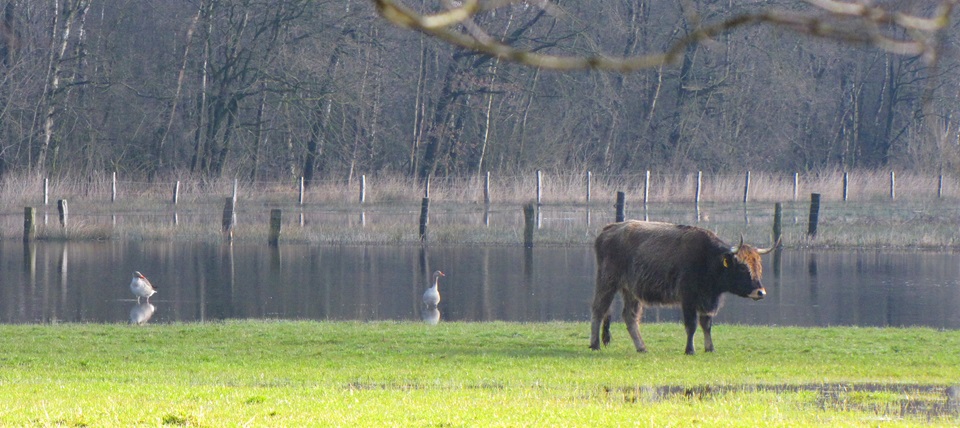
(632,310)
(602,299)
(706,321)
(690,323)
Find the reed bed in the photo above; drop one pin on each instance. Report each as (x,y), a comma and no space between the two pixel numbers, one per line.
(558,188)
(924,212)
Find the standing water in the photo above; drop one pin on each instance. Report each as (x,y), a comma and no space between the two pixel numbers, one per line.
(89,282)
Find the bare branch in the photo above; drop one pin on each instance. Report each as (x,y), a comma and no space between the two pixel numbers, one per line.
(838,20)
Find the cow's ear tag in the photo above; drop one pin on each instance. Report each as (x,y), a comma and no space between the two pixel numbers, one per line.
(726,264)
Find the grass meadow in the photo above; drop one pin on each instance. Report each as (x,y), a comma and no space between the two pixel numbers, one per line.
(288,373)
(307,373)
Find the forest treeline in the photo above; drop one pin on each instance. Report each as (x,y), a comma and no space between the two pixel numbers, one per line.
(275,89)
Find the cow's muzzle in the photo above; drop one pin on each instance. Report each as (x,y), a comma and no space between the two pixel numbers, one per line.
(758,294)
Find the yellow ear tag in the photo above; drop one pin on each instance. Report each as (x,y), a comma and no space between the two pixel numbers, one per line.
(726,264)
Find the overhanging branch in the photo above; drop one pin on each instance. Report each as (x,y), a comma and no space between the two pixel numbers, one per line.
(837,20)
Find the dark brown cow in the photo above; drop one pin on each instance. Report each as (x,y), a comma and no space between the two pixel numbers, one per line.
(663,263)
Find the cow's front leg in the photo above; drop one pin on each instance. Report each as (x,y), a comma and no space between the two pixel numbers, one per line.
(690,323)
(632,310)
(706,321)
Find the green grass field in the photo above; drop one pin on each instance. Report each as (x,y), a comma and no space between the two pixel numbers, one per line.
(284,373)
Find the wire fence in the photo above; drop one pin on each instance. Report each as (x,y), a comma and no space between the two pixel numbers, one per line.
(648,187)
(856,209)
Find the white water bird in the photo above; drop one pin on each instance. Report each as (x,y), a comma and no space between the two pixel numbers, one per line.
(431,297)
(141,287)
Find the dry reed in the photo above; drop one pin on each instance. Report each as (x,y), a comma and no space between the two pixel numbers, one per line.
(332,213)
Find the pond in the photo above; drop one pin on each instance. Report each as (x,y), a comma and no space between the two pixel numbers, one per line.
(48,282)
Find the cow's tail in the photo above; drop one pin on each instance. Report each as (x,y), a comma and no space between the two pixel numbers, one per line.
(606,329)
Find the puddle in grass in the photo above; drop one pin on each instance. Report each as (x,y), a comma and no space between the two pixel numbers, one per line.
(923,401)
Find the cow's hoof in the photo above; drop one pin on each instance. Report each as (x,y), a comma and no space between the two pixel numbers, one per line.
(642,350)
(691,352)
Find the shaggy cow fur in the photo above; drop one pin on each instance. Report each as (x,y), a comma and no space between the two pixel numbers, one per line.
(669,264)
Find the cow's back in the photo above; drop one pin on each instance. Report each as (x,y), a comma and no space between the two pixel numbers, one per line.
(648,258)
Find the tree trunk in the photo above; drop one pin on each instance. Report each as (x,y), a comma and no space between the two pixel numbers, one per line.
(440,129)
(418,111)
(321,116)
(200,136)
(60,36)
(258,135)
(158,149)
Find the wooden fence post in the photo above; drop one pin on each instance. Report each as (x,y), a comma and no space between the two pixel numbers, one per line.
(621,206)
(777,221)
(300,189)
(539,188)
(529,222)
(746,188)
(589,179)
(275,224)
(893,185)
(796,186)
(814,215)
(29,224)
(363,188)
(699,184)
(846,186)
(486,190)
(646,188)
(64,212)
(228,216)
(424,218)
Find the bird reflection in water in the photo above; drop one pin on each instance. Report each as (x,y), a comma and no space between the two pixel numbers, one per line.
(431,315)
(141,313)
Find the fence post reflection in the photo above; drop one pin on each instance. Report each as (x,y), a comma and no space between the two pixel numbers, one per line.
(814,283)
(29,224)
(485,289)
(231,274)
(528,225)
(64,264)
(422,277)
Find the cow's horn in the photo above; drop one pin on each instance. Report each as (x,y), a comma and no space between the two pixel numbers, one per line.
(737,248)
(775,246)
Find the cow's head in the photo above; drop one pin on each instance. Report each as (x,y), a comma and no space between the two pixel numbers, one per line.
(743,270)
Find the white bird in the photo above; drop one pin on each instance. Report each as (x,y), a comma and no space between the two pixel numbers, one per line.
(141,287)
(431,297)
